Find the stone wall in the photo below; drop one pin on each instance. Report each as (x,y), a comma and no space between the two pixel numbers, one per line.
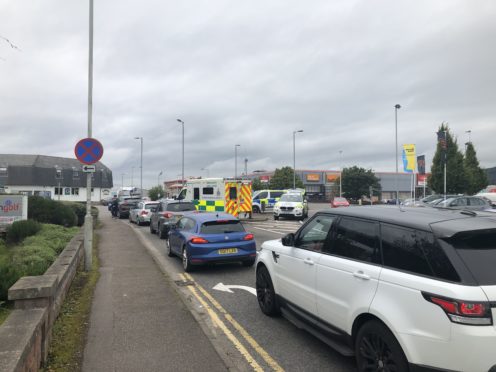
(25,335)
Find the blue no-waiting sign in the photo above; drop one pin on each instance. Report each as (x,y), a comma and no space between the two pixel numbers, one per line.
(88,150)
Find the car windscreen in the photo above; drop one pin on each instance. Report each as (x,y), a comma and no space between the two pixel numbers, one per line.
(180,207)
(150,205)
(221,227)
(477,249)
(291,198)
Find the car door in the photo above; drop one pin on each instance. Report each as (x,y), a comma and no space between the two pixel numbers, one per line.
(295,265)
(175,236)
(348,271)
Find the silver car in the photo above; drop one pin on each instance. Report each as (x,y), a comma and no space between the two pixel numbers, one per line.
(141,214)
(473,203)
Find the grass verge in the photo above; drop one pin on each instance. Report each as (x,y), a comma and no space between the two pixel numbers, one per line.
(70,328)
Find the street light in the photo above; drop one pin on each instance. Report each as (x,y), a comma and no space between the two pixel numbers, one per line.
(141,166)
(182,179)
(294,156)
(236,161)
(396,108)
(340,173)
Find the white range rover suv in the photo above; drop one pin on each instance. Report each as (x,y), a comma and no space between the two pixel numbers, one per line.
(401,290)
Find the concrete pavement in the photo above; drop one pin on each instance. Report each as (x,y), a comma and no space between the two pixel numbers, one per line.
(138,321)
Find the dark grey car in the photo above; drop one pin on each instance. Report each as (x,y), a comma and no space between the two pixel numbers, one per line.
(167,213)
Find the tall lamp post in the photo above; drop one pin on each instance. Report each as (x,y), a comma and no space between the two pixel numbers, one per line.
(294,156)
(340,173)
(182,174)
(236,161)
(141,166)
(396,108)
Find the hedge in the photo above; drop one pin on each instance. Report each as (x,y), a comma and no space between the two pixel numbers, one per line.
(33,256)
(22,229)
(51,211)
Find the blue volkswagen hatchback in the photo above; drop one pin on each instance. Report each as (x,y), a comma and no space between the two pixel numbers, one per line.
(202,238)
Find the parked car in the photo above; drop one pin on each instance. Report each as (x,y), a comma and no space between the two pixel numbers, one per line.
(339,202)
(126,203)
(141,214)
(204,238)
(292,205)
(400,289)
(473,203)
(440,199)
(166,213)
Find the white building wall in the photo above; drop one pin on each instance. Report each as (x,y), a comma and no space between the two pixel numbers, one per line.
(97,194)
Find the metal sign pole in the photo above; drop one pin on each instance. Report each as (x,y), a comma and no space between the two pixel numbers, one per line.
(88,220)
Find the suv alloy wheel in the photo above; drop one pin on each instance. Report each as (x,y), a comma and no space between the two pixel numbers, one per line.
(376,349)
(266,295)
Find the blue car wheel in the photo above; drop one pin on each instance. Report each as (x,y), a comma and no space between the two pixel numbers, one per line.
(186,262)
(169,250)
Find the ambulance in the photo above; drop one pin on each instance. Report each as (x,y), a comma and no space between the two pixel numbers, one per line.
(219,195)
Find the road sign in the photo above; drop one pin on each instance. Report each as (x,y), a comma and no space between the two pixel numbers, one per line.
(88,150)
(89,168)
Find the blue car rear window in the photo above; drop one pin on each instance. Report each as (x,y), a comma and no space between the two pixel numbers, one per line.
(221,227)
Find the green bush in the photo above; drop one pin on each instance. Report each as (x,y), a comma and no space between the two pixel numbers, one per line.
(33,256)
(22,229)
(79,210)
(51,211)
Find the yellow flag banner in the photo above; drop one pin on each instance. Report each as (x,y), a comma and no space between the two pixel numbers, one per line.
(409,158)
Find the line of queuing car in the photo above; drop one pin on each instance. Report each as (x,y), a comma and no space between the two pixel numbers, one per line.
(402,289)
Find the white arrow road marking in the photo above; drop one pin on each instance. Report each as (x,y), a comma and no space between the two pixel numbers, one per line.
(227,288)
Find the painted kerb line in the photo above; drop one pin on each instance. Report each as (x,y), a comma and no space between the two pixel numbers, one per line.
(254,344)
(227,332)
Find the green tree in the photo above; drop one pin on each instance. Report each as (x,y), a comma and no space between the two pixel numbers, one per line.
(356,182)
(156,192)
(476,177)
(257,185)
(455,172)
(283,179)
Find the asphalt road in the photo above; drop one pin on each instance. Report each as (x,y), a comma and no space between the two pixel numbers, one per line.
(274,343)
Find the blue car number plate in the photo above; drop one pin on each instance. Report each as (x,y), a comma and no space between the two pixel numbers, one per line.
(228,250)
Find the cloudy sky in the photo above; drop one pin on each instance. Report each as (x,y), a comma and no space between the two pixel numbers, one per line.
(247,73)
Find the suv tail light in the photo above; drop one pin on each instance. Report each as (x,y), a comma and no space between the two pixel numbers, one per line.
(167,215)
(248,237)
(144,213)
(463,312)
(198,240)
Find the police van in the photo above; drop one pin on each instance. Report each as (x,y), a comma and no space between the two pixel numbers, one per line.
(266,199)
(219,195)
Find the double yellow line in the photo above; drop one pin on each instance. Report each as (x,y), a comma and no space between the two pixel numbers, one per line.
(218,322)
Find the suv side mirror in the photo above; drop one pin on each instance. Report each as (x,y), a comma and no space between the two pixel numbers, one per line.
(288,240)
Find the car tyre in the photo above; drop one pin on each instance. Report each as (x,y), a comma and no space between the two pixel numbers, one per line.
(161,233)
(249,263)
(119,216)
(276,217)
(138,222)
(376,349)
(152,231)
(169,250)
(186,262)
(256,209)
(266,295)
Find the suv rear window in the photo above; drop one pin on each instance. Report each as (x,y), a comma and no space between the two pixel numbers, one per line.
(478,251)
(221,227)
(180,207)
